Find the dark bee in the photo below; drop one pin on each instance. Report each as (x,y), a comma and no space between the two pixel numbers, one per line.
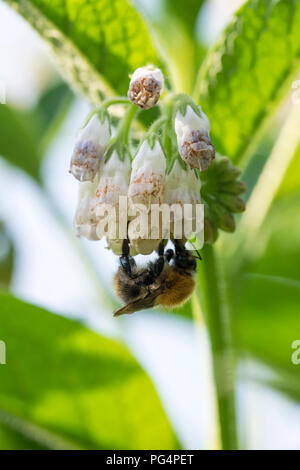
(168,281)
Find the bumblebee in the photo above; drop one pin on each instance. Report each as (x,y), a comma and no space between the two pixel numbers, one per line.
(167,282)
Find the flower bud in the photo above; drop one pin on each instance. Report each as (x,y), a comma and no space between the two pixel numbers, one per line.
(193,140)
(90,146)
(145,87)
(147,177)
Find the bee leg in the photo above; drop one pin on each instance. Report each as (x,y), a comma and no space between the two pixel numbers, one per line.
(169,255)
(126,261)
(179,246)
(157,267)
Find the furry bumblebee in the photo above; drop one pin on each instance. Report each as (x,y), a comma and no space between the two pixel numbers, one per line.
(168,281)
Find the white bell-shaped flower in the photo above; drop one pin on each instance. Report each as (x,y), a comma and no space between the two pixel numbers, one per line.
(89,149)
(182,186)
(147,177)
(84,225)
(193,139)
(113,183)
(146,86)
(182,192)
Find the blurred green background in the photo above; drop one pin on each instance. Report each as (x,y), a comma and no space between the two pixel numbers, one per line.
(76,378)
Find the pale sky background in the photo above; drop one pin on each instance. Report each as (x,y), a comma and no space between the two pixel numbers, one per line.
(49,273)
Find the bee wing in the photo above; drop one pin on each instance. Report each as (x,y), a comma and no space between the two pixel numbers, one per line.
(140,304)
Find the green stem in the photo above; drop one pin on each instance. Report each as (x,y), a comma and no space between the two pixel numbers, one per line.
(168,130)
(106,104)
(126,123)
(212,297)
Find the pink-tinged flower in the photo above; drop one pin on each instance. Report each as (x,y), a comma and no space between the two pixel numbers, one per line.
(113,183)
(89,149)
(193,140)
(146,86)
(147,177)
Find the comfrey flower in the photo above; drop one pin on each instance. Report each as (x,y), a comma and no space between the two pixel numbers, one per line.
(147,176)
(89,149)
(194,145)
(85,226)
(143,204)
(146,86)
(113,183)
(182,188)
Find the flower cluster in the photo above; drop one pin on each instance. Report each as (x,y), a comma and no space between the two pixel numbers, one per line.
(173,167)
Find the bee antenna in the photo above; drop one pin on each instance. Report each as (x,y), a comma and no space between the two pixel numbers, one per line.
(198,254)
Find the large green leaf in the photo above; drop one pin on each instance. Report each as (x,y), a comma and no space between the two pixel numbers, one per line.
(14,440)
(17,141)
(69,387)
(267,295)
(98,43)
(25,133)
(49,112)
(248,70)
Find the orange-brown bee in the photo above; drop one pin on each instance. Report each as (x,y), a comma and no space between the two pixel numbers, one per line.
(168,282)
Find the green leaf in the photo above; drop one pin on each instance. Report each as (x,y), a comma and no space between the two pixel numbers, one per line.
(186,13)
(267,296)
(68,387)
(14,440)
(98,44)
(18,142)
(248,71)
(291,181)
(50,111)
(7,257)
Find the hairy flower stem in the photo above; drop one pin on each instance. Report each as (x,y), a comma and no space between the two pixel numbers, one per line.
(126,122)
(168,130)
(106,104)
(211,296)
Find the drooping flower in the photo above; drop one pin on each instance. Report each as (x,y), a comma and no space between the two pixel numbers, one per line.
(113,183)
(182,191)
(85,226)
(147,176)
(192,130)
(146,188)
(146,86)
(182,186)
(89,149)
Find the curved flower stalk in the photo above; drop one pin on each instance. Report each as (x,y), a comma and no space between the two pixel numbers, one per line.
(192,130)
(146,86)
(90,146)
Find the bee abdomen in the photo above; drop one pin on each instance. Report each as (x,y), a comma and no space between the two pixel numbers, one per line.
(127,290)
(178,290)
